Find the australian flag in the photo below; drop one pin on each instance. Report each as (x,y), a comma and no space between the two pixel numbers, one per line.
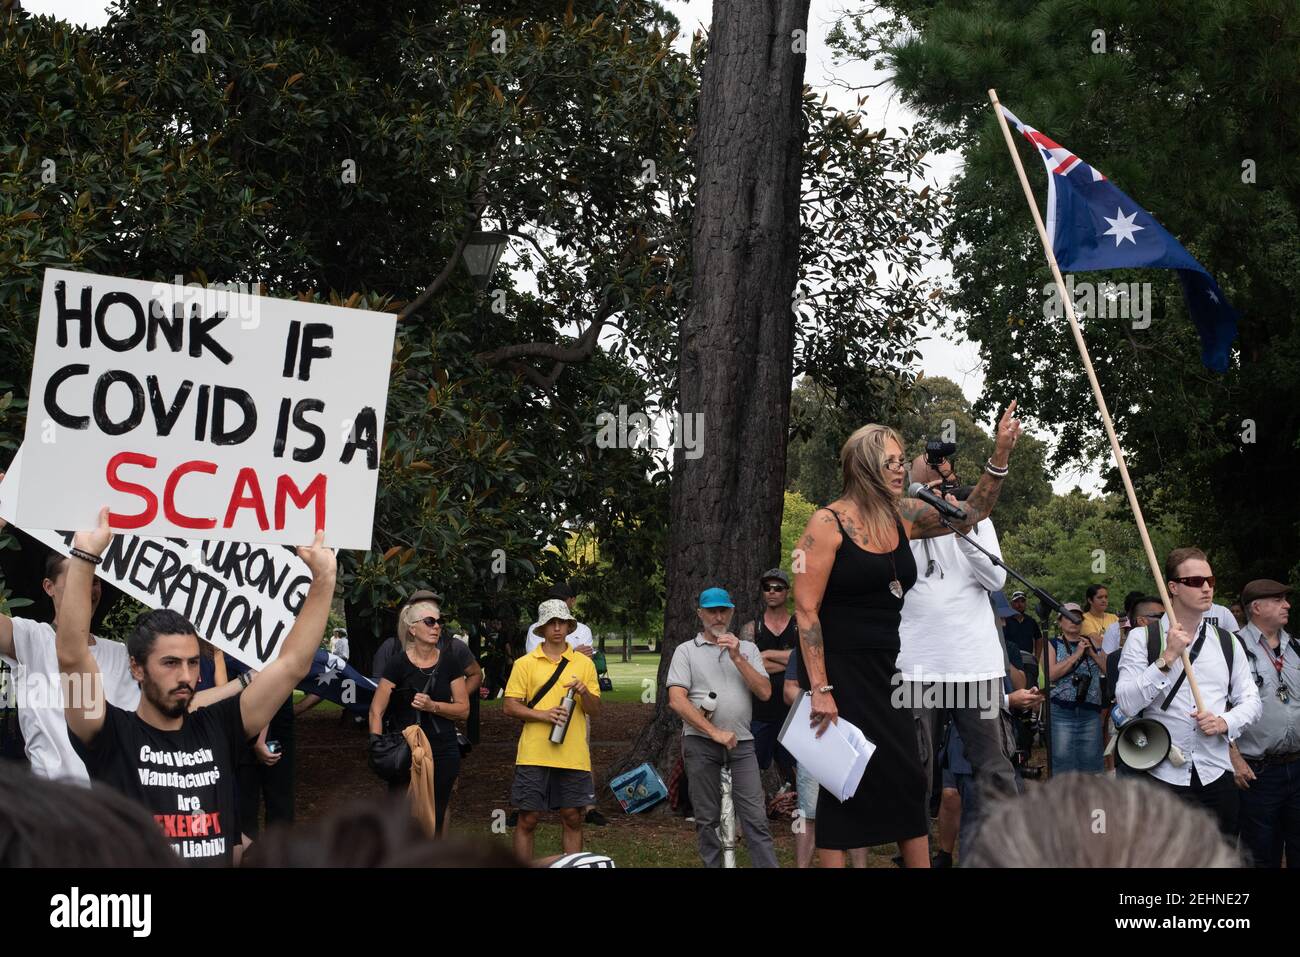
(333,679)
(1092,224)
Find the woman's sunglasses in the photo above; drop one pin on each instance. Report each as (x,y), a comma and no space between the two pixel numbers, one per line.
(431,622)
(1195,581)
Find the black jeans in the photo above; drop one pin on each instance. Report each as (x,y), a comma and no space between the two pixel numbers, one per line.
(1220,797)
(255,782)
(1270,814)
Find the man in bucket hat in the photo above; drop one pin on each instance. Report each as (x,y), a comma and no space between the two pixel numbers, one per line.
(711,683)
(549,775)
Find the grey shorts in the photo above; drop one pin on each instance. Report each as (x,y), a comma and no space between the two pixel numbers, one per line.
(539,788)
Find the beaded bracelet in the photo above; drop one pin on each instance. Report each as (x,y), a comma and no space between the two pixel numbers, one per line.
(84,556)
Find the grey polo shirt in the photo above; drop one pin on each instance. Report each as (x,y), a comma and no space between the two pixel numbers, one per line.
(1277,731)
(700,666)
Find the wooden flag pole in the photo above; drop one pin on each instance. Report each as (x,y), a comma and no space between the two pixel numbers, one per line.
(1096,390)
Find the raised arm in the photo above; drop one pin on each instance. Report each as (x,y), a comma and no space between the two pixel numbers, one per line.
(922,521)
(83,699)
(821,539)
(262,698)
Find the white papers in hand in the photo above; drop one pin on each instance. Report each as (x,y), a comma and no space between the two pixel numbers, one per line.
(837,759)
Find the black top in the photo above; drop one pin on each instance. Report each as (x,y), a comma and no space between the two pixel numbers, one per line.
(858,611)
(774,709)
(1022,634)
(409,680)
(186,778)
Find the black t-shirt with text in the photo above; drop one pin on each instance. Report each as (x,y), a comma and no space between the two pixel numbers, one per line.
(408,680)
(186,778)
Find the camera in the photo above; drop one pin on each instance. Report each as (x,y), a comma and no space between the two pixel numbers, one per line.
(1081,683)
(936,451)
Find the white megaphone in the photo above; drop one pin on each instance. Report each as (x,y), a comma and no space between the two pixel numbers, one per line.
(1145,743)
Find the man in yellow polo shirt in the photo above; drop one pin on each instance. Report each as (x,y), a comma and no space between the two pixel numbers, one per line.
(548,776)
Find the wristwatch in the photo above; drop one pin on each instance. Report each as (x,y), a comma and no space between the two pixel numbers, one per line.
(1162,664)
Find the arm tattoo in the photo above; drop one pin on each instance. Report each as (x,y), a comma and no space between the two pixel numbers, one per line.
(978,506)
(814,652)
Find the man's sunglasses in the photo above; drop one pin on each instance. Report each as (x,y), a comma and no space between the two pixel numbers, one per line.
(1195,581)
(431,622)
(774,587)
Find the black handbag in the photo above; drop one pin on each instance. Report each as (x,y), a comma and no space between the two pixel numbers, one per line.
(389,754)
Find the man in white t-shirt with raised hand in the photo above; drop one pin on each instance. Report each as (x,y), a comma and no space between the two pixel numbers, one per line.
(951,657)
(580,641)
(28,647)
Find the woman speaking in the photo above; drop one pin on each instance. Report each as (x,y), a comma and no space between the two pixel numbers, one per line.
(856,568)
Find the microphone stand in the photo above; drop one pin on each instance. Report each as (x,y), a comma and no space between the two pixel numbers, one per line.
(1045,597)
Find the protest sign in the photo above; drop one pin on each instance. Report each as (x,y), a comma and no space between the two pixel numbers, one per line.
(242,598)
(203,414)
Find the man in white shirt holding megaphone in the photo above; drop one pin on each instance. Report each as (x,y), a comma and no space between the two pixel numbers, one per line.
(1162,730)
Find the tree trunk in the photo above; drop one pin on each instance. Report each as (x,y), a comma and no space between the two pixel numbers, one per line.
(737,341)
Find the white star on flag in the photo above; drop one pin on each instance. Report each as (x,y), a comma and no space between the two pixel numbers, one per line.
(1123,227)
(326,677)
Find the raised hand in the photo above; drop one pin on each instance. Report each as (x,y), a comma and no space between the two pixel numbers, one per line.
(1008,432)
(321,560)
(96,540)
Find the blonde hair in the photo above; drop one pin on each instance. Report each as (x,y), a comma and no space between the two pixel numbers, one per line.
(863,462)
(413,613)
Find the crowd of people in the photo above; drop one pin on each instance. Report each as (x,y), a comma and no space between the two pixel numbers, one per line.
(895,621)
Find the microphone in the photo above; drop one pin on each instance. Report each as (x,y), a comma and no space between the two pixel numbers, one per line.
(946,509)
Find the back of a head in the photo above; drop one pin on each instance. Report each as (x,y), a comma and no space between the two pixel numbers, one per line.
(92,827)
(364,834)
(1084,820)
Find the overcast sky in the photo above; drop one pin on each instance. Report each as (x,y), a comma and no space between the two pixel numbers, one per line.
(941,355)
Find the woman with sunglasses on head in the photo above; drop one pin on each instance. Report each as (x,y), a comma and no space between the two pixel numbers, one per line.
(852,570)
(426,683)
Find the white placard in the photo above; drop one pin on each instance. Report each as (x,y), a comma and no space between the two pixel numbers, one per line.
(203,413)
(242,598)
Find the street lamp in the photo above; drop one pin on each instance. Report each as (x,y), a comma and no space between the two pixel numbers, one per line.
(482,252)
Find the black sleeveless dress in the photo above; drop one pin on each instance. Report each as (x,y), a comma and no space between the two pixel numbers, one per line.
(859,619)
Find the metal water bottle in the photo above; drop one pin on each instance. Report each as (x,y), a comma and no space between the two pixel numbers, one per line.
(558,731)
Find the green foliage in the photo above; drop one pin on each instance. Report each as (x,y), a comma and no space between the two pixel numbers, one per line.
(1184,98)
(1073,541)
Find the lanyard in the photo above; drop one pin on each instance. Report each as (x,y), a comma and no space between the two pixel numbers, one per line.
(1274,657)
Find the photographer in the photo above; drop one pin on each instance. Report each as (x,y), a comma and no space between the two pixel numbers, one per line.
(1076,667)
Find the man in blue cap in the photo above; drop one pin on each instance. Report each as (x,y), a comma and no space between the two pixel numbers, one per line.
(711,683)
